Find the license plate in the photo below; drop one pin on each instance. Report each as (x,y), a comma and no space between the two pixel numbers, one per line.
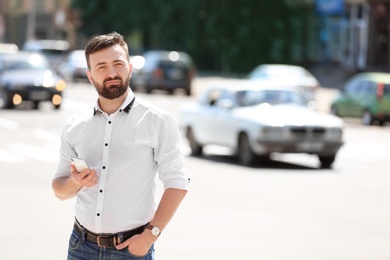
(310,146)
(176,74)
(39,95)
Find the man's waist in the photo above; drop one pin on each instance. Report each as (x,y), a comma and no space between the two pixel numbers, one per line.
(107,239)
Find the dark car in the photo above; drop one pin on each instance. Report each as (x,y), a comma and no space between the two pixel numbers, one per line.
(55,50)
(27,76)
(365,95)
(165,70)
(74,67)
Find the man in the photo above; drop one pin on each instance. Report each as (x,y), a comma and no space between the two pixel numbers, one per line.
(126,142)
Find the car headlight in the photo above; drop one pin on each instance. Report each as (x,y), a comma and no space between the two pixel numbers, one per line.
(335,132)
(61,85)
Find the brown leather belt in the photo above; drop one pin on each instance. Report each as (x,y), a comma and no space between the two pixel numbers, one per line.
(108,240)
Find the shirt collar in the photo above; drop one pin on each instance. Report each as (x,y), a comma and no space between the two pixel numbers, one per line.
(125,107)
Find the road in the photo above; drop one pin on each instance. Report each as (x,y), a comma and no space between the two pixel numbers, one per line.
(286,210)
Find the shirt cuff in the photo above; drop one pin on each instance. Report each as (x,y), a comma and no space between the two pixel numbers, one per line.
(181,184)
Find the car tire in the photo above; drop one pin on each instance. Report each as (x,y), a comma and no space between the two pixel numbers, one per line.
(5,100)
(196,148)
(244,152)
(35,105)
(148,90)
(326,160)
(188,91)
(367,118)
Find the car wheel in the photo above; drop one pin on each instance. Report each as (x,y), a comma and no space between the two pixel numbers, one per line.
(196,148)
(367,118)
(326,160)
(35,105)
(188,91)
(148,90)
(5,100)
(245,154)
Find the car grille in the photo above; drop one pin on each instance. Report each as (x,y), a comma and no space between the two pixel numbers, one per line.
(307,132)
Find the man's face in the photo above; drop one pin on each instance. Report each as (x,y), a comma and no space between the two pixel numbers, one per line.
(110,72)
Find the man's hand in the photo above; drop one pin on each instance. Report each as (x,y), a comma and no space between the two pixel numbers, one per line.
(138,245)
(86,178)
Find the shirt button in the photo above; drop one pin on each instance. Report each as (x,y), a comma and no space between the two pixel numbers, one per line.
(109,122)
(98,214)
(104,167)
(101,191)
(106,144)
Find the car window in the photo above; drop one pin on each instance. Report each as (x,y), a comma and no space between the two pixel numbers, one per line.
(352,87)
(365,87)
(210,97)
(256,97)
(387,89)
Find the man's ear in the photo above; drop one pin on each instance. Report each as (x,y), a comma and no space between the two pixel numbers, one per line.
(89,76)
(131,68)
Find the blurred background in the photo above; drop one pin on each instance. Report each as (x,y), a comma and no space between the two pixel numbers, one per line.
(226,37)
(332,58)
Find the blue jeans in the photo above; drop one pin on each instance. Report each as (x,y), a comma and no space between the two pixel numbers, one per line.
(80,249)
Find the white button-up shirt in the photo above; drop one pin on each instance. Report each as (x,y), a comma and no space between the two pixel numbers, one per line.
(127,149)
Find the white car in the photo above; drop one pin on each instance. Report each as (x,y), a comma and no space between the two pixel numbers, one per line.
(256,119)
(295,75)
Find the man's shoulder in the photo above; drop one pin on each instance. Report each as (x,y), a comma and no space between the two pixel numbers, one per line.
(82,115)
(146,106)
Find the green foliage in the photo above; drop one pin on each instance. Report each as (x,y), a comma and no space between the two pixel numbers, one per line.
(227,36)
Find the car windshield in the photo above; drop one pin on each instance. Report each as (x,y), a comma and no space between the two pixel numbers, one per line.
(32,62)
(273,97)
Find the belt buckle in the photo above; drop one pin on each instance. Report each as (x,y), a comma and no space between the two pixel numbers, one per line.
(114,241)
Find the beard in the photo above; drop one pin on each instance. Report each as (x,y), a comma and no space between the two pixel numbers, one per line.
(112,91)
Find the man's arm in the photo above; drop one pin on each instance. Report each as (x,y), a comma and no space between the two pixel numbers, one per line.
(67,187)
(170,201)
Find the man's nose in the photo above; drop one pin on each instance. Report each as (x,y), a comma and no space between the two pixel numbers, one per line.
(112,71)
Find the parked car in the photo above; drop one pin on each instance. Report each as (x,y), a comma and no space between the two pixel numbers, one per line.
(255,120)
(304,81)
(55,50)
(8,48)
(365,95)
(74,67)
(27,76)
(165,70)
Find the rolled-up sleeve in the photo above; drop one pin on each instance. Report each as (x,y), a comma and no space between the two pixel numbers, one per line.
(169,158)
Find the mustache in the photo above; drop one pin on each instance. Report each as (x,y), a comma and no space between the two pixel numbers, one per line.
(114,78)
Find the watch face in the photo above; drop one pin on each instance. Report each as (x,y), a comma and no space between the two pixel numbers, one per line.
(156,231)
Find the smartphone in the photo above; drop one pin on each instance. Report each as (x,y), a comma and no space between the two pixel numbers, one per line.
(79,163)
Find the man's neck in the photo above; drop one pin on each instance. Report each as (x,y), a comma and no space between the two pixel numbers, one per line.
(109,106)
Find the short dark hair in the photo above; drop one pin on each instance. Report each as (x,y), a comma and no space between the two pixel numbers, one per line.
(104,41)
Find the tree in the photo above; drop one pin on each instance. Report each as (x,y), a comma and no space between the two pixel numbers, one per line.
(223,35)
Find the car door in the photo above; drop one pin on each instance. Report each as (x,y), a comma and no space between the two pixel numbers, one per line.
(225,123)
(205,127)
(347,104)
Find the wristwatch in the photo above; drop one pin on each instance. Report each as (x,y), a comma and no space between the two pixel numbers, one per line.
(154,229)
